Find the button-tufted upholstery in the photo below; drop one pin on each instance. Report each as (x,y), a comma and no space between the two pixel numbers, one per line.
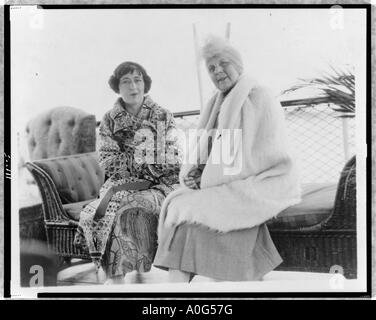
(61,131)
(76,177)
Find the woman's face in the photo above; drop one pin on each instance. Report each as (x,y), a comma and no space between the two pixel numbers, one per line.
(222,72)
(132,88)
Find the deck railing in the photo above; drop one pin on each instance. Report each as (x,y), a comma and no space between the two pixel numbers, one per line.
(321,140)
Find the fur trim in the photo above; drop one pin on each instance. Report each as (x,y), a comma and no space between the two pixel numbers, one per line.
(267,180)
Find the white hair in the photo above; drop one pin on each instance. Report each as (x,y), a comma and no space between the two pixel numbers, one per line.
(217,46)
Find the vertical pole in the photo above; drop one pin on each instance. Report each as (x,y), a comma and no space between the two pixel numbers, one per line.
(198,67)
(228,30)
(345,135)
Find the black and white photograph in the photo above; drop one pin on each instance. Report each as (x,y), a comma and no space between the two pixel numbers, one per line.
(189,149)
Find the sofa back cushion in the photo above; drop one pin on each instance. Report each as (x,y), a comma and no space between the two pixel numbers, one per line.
(76,177)
(60,131)
(316,206)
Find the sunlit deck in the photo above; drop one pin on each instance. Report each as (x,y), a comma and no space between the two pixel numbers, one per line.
(84,275)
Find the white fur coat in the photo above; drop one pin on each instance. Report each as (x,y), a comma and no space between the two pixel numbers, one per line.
(252,186)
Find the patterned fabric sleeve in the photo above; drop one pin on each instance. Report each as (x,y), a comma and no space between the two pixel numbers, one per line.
(111,158)
(168,168)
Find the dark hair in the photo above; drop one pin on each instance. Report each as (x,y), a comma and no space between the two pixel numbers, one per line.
(128,67)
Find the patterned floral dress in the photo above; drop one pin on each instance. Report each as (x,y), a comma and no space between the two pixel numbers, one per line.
(141,148)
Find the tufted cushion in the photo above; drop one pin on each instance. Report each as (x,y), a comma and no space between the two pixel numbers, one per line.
(77,177)
(60,131)
(316,206)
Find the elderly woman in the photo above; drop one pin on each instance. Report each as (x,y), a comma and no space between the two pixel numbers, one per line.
(140,155)
(214,224)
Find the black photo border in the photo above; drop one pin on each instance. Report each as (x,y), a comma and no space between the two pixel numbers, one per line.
(178,295)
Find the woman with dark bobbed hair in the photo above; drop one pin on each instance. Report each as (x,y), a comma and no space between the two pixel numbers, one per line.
(119,228)
(125,68)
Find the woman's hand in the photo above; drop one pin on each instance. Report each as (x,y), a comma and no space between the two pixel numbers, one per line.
(193,179)
(191,183)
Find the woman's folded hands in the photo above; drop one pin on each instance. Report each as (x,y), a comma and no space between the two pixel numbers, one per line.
(193,178)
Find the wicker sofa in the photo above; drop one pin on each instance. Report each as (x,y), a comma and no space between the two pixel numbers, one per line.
(313,236)
(329,245)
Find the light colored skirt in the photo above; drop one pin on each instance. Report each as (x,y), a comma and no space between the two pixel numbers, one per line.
(241,255)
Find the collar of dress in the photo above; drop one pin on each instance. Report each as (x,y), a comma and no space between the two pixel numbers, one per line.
(119,109)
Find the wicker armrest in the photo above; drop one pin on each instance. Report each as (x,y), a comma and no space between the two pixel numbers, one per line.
(67,179)
(63,180)
(52,206)
(344,211)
